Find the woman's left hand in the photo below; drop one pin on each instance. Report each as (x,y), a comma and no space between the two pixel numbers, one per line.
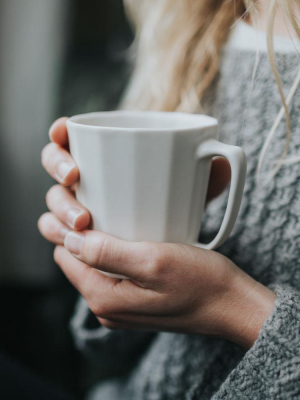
(172,287)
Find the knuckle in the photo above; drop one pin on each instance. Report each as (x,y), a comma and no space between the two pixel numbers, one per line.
(41,221)
(157,266)
(100,309)
(56,255)
(95,308)
(52,192)
(44,222)
(46,154)
(156,261)
(99,252)
(112,325)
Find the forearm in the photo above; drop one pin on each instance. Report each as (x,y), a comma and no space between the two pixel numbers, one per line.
(270,369)
(249,306)
(240,311)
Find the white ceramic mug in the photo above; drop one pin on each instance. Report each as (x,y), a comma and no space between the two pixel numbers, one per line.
(144,175)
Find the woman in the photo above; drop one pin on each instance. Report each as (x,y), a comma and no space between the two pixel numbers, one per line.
(233,317)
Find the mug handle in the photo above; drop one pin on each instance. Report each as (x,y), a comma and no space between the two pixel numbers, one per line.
(238,163)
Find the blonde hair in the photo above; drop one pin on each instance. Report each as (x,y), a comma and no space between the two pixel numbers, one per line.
(177,51)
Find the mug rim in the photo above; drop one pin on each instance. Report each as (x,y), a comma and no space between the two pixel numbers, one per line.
(201,121)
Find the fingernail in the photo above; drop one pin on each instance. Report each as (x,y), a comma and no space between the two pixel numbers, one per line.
(64,231)
(73,242)
(73,215)
(64,169)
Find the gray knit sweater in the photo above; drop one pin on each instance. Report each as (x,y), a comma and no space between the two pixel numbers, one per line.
(265,243)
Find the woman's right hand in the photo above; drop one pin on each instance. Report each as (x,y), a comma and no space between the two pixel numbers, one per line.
(66,213)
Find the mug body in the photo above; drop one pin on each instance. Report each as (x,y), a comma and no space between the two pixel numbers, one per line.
(139,174)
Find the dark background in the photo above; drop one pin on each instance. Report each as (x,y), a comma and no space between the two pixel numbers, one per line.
(34,318)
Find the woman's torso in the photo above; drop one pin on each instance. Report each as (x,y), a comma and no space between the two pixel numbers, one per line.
(265,241)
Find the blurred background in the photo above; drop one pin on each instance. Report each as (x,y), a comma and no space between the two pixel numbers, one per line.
(56,58)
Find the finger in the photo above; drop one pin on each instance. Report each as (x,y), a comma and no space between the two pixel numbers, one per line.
(219,177)
(61,201)
(59,164)
(106,296)
(58,132)
(83,277)
(109,254)
(139,322)
(116,324)
(52,229)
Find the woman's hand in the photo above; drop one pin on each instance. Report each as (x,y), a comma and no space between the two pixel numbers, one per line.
(172,287)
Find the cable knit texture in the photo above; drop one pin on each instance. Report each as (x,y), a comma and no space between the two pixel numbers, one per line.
(265,243)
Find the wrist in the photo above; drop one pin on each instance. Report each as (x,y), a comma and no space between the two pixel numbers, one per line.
(247,306)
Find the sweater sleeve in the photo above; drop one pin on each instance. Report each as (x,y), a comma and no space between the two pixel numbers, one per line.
(271,368)
(113,352)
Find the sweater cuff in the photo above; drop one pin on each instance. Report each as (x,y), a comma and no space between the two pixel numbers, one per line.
(81,329)
(99,343)
(271,368)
